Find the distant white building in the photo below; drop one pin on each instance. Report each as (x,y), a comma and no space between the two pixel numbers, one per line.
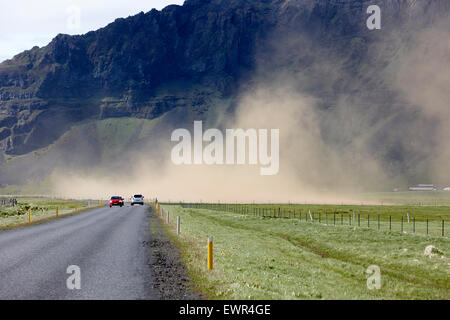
(446,189)
(423,187)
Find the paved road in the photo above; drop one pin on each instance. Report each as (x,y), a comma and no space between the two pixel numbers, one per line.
(108,244)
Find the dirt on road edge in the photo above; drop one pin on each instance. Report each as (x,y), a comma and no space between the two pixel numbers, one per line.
(169,273)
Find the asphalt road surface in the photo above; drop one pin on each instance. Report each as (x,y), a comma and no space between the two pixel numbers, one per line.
(107,244)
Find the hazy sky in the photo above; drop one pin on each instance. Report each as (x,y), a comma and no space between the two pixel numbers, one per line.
(28,23)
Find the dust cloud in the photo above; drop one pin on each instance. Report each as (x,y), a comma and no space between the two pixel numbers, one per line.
(424,80)
(310,171)
(333,146)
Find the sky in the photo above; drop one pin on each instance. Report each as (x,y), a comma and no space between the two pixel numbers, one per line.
(27,23)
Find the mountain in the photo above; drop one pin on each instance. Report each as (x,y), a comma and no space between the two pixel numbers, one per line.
(195,62)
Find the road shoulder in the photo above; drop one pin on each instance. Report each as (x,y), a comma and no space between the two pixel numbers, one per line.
(169,273)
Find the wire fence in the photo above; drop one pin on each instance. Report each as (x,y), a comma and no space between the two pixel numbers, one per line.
(8,202)
(431,226)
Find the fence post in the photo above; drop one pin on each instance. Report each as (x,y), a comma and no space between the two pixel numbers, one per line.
(443,228)
(414,224)
(378,222)
(178,225)
(390,223)
(210,253)
(359,219)
(56,210)
(427,225)
(29,215)
(168,217)
(334,218)
(402,224)
(368,221)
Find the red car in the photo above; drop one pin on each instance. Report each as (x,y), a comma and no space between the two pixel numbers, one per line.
(116,201)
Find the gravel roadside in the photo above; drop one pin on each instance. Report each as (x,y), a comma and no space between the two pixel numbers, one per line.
(169,273)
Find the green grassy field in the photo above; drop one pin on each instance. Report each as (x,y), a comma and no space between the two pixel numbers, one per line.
(41,210)
(428,220)
(272,258)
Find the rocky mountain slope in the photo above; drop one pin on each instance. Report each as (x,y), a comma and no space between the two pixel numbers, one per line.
(186,60)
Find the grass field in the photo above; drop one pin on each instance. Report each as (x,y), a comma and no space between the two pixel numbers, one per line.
(259,257)
(428,220)
(41,210)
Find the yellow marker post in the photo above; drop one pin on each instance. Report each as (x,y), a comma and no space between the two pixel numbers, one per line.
(210,253)
(56,210)
(29,215)
(99,203)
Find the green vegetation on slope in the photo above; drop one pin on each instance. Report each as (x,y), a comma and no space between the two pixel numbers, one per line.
(267,258)
(92,145)
(100,146)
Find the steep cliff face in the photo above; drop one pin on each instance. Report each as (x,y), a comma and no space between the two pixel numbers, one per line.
(206,51)
(121,65)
